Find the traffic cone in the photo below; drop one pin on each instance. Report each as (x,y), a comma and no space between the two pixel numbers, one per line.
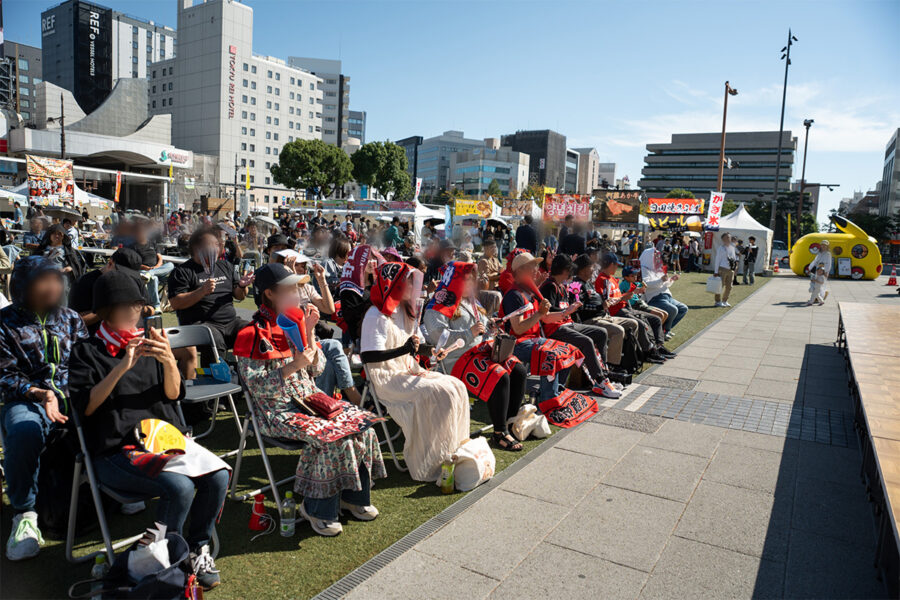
(892,280)
(258,516)
(775,266)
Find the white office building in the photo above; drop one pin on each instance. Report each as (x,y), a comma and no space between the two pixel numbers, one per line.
(473,170)
(228,102)
(335,97)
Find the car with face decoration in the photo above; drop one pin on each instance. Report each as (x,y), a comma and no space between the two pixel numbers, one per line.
(852,243)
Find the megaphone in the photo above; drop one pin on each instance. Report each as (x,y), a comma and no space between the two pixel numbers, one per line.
(293,323)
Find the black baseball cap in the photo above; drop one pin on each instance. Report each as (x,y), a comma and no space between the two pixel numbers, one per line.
(583,261)
(127,258)
(609,259)
(271,275)
(115,287)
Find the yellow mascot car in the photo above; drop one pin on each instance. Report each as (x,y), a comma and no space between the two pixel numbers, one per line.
(853,243)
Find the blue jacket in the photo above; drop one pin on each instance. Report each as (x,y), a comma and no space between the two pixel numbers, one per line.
(34,351)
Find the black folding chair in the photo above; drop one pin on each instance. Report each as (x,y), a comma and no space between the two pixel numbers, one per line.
(84,472)
(251,427)
(204,388)
(389,439)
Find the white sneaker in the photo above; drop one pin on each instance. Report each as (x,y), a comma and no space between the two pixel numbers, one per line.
(669,336)
(726,304)
(363,513)
(321,526)
(132,508)
(606,390)
(25,540)
(719,304)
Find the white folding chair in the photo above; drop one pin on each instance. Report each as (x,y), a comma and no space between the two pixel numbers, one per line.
(204,388)
(251,426)
(84,472)
(369,389)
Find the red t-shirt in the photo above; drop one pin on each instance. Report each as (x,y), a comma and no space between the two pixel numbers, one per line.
(608,287)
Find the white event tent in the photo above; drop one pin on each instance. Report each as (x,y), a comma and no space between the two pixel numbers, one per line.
(741,225)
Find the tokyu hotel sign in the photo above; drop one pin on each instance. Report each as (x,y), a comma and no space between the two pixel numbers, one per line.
(182,159)
(232,67)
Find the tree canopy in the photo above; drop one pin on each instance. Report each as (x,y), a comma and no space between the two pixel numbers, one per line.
(494,189)
(680,193)
(382,166)
(312,165)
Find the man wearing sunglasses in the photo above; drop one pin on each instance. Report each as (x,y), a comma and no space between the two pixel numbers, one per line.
(36,337)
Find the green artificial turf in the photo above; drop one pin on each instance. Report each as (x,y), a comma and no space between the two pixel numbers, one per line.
(301,566)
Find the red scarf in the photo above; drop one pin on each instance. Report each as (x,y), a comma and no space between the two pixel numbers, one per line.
(390,285)
(262,339)
(116,339)
(448,295)
(505,283)
(353,274)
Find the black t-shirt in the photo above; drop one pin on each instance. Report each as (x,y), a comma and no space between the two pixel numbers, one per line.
(81,298)
(572,244)
(556,294)
(147,252)
(138,395)
(217,307)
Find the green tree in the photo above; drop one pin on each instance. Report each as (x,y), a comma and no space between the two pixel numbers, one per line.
(533,192)
(382,166)
(880,228)
(494,189)
(312,165)
(680,193)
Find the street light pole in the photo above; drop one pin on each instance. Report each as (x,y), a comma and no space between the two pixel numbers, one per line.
(62,127)
(786,57)
(806,123)
(729,91)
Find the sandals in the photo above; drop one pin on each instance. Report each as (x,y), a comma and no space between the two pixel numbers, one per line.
(505,441)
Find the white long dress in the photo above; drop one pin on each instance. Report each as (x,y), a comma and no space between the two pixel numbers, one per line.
(431,408)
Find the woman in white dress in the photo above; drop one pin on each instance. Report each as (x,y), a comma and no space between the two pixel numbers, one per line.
(431,408)
(823,259)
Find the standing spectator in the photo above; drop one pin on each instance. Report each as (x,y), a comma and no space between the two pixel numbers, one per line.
(152,263)
(18,217)
(723,268)
(739,252)
(201,296)
(526,236)
(751,252)
(36,337)
(71,231)
(392,236)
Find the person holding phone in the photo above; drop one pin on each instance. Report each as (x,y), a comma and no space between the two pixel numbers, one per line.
(454,316)
(591,340)
(431,408)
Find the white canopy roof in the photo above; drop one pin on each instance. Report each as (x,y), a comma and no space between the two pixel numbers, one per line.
(741,219)
(741,225)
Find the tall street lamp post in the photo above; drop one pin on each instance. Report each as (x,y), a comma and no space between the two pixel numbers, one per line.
(806,123)
(729,91)
(786,57)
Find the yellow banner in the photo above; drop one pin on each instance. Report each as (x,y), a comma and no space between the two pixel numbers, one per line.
(482,208)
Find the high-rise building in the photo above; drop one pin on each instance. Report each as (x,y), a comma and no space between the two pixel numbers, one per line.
(588,170)
(20,71)
(572,159)
(889,201)
(473,170)
(547,150)
(335,87)
(87,47)
(690,161)
(356,125)
(227,102)
(430,158)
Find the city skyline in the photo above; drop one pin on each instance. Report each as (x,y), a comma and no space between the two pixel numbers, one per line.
(614,87)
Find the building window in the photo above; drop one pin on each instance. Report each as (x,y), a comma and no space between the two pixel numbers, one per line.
(311,115)
(268,89)
(277,106)
(331,94)
(243,146)
(243,162)
(244,98)
(253,68)
(134,29)
(268,150)
(252,85)
(243,131)
(268,104)
(310,128)
(153,104)
(276,124)
(293,81)
(252,163)
(267,181)
(25,104)
(275,136)
(252,100)
(26,115)
(252,147)
(149,49)
(163,101)
(292,95)
(312,86)
(252,179)
(268,120)
(23,64)
(243,114)
(277,76)
(269,74)
(134,74)
(246,67)
(252,132)
(252,116)
(268,135)
(134,59)
(268,164)
(291,109)
(154,73)
(170,86)
(162,53)
(245,83)
(134,45)
(290,124)
(291,138)
(170,70)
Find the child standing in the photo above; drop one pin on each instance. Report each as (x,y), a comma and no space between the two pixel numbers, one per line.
(816,286)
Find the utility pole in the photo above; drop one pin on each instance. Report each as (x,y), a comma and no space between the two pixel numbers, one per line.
(806,123)
(786,57)
(236,167)
(62,127)
(729,91)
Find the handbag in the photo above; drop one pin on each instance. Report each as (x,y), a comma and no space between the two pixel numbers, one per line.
(166,584)
(503,348)
(475,464)
(714,285)
(322,405)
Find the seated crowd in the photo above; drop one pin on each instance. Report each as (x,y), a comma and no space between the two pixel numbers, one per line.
(430,328)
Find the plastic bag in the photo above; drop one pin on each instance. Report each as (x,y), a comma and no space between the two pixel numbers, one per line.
(714,285)
(151,555)
(475,464)
(529,422)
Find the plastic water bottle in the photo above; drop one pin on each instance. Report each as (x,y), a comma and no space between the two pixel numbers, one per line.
(288,515)
(98,572)
(447,476)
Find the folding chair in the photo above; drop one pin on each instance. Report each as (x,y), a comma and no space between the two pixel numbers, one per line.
(84,472)
(369,389)
(251,423)
(205,388)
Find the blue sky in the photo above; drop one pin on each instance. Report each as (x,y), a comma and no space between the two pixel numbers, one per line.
(613,75)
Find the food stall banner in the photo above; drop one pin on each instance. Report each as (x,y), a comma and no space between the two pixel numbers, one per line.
(674,222)
(716,202)
(515,208)
(617,206)
(399,205)
(558,206)
(679,206)
(481,208)
(49,178)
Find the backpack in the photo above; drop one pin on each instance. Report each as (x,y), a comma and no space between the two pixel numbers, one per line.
(632,358)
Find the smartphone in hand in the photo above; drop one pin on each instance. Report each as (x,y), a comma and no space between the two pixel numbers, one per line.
(153,321)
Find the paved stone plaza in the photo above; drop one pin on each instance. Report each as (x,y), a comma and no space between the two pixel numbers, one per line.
(730,471)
